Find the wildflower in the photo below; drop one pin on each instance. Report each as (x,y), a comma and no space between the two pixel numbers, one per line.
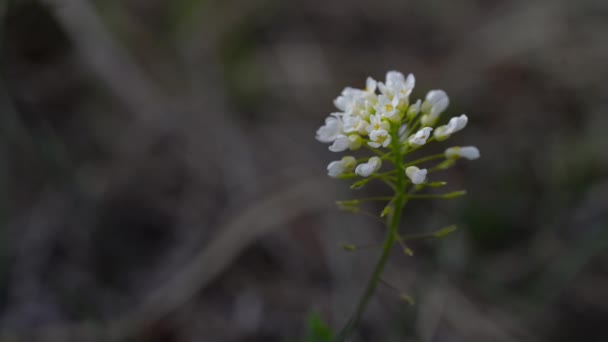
(467,152)
(338,167)
(366,169)
(381,116)
(415,174)
(420,137)
(330,131)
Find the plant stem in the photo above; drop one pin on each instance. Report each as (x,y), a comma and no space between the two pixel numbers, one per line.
(391,234)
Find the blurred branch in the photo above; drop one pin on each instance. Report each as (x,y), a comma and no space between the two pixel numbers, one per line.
(111,62)
(242,226)
(113,65)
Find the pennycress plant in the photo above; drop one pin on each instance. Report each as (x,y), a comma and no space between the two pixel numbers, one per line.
(382,120)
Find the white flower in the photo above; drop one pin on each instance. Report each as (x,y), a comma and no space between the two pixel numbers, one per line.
(404,89)
(413,110)
(340,144)
(343,142)
(348,99)
(435,103)
(354,124)
(379,137)
(338,167)
(330,131)
(376,123)
(467,152)
(357,102)
(388,108)
(415,174)
(397,85)
(366,169)
(456,124)
(420,137)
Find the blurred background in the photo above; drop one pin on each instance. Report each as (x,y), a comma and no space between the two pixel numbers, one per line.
(160,179)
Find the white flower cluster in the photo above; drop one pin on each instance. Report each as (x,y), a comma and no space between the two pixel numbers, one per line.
(380,116)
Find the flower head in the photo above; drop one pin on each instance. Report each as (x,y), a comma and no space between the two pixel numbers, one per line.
(380,116)
(330,131)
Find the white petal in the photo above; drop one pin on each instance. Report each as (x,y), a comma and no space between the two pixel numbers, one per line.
(421,136)
(370,84)
(416,175)
(349,123)
(335,168)
(387,141)
(366,169)
(457,123)
(377,134)
(330,131)
(340,144)
(410,81)
(438,100)
(462,122)
(394,77)
(468,152)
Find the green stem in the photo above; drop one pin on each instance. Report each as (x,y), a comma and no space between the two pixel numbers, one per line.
(391,234)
